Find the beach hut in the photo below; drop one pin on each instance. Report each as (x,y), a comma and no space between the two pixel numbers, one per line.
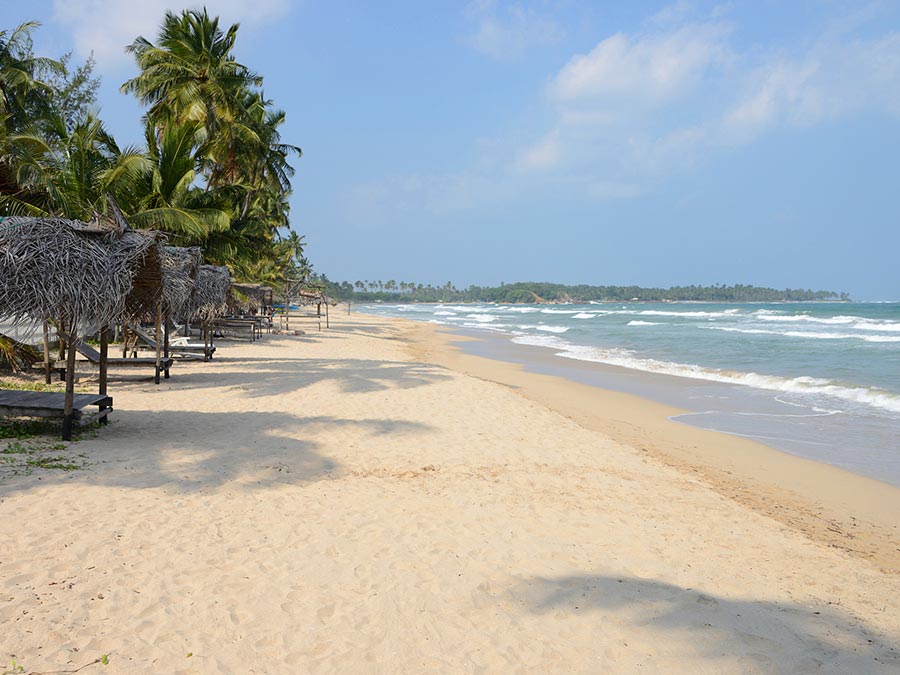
(82,277)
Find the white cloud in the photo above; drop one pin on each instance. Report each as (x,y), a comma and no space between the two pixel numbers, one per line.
(106,27)
(506,31)
(639,107)
(830,81)
(649,67)
(544,154)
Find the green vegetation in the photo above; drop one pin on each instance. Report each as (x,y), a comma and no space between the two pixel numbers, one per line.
(213,170)
(533,292)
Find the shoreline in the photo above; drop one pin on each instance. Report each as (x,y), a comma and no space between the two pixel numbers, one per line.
(826,503)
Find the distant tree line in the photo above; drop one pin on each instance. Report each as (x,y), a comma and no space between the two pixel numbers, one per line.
(538,292)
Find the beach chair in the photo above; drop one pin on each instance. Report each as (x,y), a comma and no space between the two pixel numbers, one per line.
(93,357)
(177,345)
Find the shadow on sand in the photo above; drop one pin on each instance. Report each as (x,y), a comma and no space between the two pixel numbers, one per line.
(195,451)
(763,636)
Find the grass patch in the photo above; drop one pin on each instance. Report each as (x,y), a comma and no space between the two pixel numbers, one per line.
(24,429)
(29,446)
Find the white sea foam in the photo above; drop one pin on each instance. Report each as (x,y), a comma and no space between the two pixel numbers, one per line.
(485,318)
(707,315)
(810,335)
(584,315)
(642,323)
(444,313)
(876,398)
(559,311)
(553,329)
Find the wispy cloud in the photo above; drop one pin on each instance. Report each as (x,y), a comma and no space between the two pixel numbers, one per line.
(106,27)
(642,106)
(639,106)
(643,68)
(544,154)
(506,30)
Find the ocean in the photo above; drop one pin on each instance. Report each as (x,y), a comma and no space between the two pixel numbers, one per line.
(818,380)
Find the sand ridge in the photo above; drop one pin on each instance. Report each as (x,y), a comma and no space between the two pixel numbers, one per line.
(328,503)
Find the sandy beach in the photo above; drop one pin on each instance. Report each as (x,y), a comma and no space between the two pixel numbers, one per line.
(369,499)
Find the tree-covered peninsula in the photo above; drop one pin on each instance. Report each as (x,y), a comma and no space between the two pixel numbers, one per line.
(543,292)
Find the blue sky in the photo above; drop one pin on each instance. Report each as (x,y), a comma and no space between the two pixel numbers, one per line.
(751,141)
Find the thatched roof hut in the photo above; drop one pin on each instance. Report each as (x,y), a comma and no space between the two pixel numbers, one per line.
(85,274)
(250,296)
(211,293)
(180,267)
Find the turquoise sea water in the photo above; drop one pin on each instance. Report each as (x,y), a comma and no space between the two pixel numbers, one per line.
(820,380)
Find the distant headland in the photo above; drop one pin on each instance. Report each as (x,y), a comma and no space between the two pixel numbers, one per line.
(532,292)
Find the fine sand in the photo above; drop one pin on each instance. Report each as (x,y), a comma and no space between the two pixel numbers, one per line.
(367,499)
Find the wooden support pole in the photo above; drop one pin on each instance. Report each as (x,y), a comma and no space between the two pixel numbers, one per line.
(124,340)
(60,333)
(166,324)
(68,410)
(47,371)
(327,325)
(158,342)
(104,367)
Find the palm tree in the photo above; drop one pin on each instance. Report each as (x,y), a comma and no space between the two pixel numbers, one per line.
(23,96)
(24,104)
(191,75)
(71,178)
(165,196)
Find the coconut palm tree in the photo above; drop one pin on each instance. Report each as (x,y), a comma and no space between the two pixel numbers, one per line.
(191,74)
(165,195)
(23,96)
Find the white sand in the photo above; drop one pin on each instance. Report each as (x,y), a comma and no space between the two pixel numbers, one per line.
(329,504)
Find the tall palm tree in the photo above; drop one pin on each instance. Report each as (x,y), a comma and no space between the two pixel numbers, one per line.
(191,74)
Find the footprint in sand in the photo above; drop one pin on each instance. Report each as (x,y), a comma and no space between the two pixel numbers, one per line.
(325,613)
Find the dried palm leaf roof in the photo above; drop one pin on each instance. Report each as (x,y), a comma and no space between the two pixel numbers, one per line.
(211,293)
(87,274)
(180,269)
(249,295)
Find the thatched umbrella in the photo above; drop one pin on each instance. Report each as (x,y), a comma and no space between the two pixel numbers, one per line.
(82,275)
(249,296)
(211,294)
(181,266)
(211,297)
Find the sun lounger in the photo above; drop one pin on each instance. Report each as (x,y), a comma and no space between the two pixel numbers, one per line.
(93,357)
(176,345)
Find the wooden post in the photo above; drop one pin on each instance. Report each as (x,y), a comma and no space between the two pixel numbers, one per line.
(60,333)
(104,355)
(124,340)
(158,342)
(206,342)
(327,325)
(166,344)
(68,411)
(47,371)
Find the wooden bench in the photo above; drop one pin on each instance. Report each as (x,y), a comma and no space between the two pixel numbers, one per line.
(234,325)
(17,403)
